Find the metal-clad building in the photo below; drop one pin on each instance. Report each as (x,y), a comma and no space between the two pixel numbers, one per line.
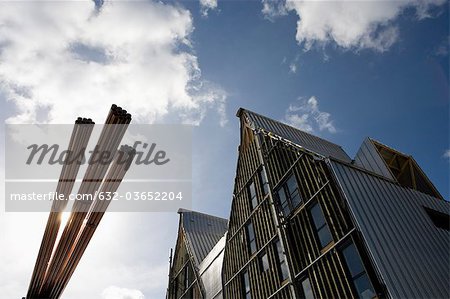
(411,253)
(196,261)
(210,270)
(306,221)
(369,158)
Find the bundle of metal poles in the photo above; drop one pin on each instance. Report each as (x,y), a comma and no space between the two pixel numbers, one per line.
(78,142)
(110,184)
(53,271)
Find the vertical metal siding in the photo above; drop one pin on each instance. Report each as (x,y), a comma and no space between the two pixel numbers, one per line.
(369,158)
(410,252)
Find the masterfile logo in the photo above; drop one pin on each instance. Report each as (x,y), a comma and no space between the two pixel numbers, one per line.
(158,175)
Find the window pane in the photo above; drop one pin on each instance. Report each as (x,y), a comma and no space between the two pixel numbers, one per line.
(284,271)
(282,197)
(246,290)
(252,194)
(291,184)
(251,238)
(252,246)
(282,260)
(264,262)
(246,282)
(353,260)
(317,216)
(322,229)
(364,287)
(264,181)
(295,198)
(307,290)
(324,236)
(250,232)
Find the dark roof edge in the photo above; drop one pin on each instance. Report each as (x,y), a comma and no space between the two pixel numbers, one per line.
(183,210)
(242,110)
(376,175)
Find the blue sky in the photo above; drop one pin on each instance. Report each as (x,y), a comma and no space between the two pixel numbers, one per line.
(345,71)
(399,97)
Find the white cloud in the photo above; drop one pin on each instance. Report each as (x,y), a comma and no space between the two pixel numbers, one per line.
(348,24)
(206,6)
(308,117)
(293,68)
(273,9)
(113,292)
(70,59)
(447,154)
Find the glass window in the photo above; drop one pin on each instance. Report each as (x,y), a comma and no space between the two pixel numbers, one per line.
(252,194)
(439,219)
(186,278)
(289,196)
(264,181)
(357,272)
(307,290)
(320,224)
(246,281)
(251,238)
(283,202)
(284,271)
(264,262)
(292,190)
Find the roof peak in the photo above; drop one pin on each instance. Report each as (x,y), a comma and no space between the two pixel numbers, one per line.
(302,138)
(187,211)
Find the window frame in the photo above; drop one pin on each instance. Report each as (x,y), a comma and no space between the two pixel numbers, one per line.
(251,241)
(253,199)
(439,219)
(302,287)
(264,181)
(246,290)
(352,278)
(281,261)
(292,198)
(261,257)
(318,229)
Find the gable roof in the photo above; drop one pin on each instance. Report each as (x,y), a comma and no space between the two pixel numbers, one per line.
(202,232)
(294,135)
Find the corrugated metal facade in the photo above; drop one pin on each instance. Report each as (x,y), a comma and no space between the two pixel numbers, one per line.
(211,271)
(368,158)
(411,253)
(301,138)
(202,232)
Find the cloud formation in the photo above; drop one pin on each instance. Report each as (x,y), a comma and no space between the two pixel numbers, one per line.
(447,154)
(77,58)
(113,292)
(351,25)
(308,117)
(206,6)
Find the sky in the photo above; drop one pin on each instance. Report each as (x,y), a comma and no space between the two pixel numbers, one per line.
(343,70)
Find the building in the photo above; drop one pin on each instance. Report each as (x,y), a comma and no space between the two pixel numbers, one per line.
(307,221)
(196,266)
